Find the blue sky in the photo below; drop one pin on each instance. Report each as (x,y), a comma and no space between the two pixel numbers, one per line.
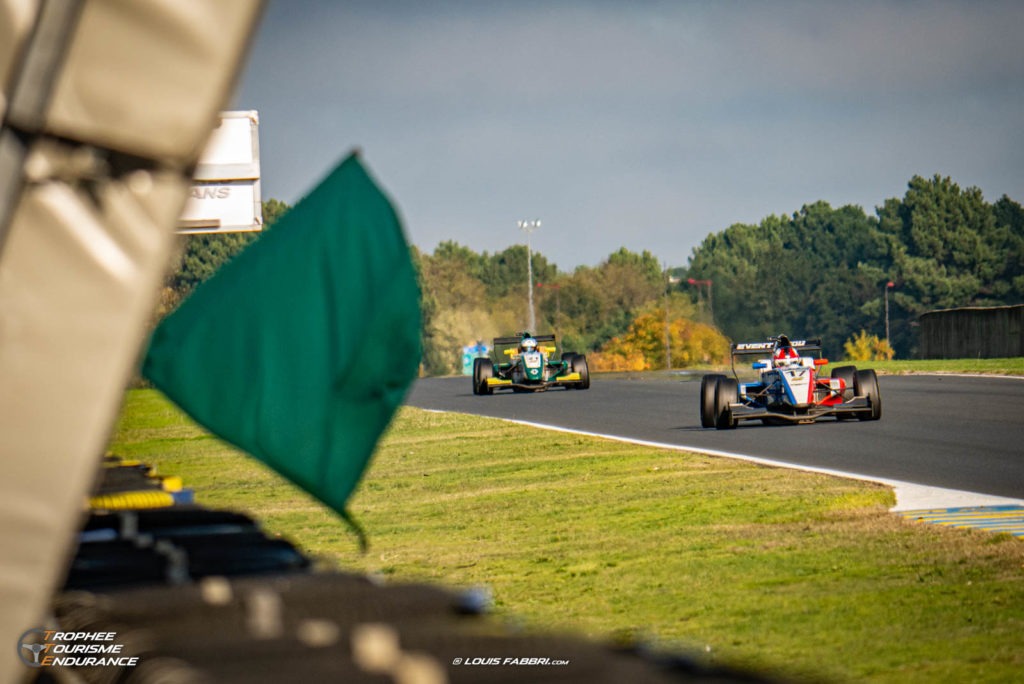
(645,125)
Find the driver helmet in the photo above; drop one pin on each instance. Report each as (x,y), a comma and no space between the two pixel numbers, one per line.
(785,355)
(528,344)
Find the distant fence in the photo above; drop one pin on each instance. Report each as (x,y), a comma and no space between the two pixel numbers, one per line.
(972,332)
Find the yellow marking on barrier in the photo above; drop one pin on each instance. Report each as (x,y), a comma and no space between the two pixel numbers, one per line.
(111,465)
(172,483)
(130,500)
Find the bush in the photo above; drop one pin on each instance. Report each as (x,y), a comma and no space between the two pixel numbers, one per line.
(862,347)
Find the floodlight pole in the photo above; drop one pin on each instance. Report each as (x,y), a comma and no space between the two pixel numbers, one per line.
(711,301)
(528,227)
(668,330)
(698,283)
(888,286)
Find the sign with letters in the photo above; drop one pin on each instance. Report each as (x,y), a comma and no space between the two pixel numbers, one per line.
(225,192)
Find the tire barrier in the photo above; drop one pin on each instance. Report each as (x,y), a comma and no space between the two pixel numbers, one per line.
(193,594)
(129,485)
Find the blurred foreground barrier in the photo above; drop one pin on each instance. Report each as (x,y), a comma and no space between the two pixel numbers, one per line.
(188,594)
(106,106)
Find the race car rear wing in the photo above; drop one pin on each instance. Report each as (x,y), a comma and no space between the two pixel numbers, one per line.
(750,348)
(762,347)
(512,344)
(501,341)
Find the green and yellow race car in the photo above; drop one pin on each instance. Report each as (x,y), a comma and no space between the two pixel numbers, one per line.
(531,366)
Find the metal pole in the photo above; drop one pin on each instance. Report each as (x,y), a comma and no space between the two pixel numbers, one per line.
(668,332)
(700,293)
(699,284)
(529,281)
(887,286)
(528,227)
(558,310)
(711,302)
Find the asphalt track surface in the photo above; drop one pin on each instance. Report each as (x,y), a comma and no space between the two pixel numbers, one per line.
(954,432)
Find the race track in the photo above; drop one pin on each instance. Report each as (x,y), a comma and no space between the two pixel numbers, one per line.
(963,433)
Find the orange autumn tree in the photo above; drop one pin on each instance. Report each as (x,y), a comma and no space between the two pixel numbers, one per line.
(642,347)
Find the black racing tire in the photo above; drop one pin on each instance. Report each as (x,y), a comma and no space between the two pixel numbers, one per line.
(482,370)
(726,392)
(707,399)
(865,384)
(846,373)
(579,365)
(476,376)
(569,358)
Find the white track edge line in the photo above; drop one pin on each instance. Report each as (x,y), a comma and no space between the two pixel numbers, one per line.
(909,495)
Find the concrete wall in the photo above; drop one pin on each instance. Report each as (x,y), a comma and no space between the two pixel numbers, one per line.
(973,332)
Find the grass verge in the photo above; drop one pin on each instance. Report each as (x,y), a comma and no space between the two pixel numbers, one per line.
(1014,366)
(1011,366)
(796,574)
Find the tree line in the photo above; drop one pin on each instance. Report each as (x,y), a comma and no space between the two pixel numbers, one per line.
(619,308)
(822,271)
(829,272)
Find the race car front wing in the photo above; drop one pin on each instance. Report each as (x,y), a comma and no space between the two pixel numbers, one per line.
(850,409)
(567,379)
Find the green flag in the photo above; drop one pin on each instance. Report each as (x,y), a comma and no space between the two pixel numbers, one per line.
(300,349)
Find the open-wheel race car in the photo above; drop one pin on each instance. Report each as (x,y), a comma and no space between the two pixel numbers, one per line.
(531,366)
(789,389)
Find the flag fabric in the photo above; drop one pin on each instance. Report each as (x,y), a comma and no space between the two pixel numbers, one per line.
(300,349)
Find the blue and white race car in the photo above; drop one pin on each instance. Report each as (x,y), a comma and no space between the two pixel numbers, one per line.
(789,389)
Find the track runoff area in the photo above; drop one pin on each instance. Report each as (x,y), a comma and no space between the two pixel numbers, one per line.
(953,508)
(914,501)
(937,505)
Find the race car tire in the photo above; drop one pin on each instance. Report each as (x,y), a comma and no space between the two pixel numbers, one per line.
(865,384)
(726,392)
(476,376)
(707,399)
(568,358)
(482,370)
(579,365)
(846,373)
(571,363)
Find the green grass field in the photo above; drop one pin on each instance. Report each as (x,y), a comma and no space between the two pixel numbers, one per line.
(795,574)
(1014,366)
